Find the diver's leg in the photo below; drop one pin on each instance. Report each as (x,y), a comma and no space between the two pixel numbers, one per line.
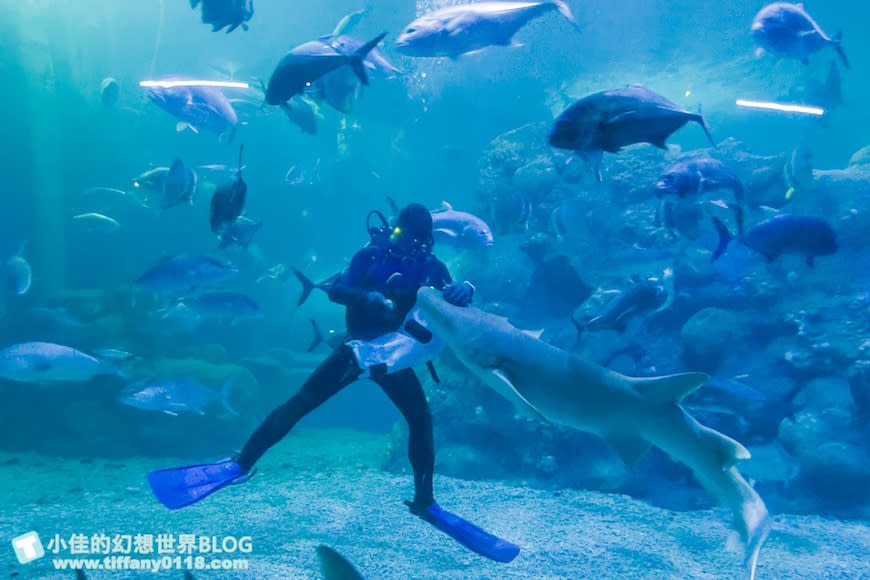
(405,391)
(336,372)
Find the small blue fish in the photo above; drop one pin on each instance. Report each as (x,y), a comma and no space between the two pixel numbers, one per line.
(46,362)
(459,229)
(466,28)
(178,275)
(785,233)
(200,108)
(175,395)
(788,30)
(610,120)
(179,186)
(223,305)
(225,13)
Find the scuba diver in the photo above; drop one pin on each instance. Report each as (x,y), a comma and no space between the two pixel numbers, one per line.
(378,290)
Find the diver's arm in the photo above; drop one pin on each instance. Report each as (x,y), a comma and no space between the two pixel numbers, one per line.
(347,289)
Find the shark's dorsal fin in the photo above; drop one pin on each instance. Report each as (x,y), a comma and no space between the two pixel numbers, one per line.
(509,391)
(444,207)
(670,388)
(627,447)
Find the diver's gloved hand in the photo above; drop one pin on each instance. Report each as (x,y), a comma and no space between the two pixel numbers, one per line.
(378,300)
(458,293)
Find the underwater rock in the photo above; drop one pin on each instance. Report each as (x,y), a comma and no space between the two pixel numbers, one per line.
(708,335)
(825,393)
(535,180)
(860,157)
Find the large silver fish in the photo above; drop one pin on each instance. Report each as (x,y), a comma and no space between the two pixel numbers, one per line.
(465,28)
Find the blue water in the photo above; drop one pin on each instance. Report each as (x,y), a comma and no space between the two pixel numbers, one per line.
(786,343)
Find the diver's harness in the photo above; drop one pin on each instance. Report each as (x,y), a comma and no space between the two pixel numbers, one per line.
(407,347)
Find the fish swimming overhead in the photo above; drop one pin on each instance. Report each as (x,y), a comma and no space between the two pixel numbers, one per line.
(240,233)
(225,13)
(787,29)
(465,28)
(201,108)
(631,413)
(610,120)
(783,234)
(459,229)
(306,63)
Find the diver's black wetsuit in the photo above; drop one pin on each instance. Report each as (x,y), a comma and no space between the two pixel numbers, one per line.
(372,269)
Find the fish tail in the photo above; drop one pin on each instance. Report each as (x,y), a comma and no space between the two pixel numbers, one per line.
(565,11)
(837,43)
(724,239)
(703,122)
(318,336)
(307,286)
(579,326)
(194,3)
(356,59)
(226,391)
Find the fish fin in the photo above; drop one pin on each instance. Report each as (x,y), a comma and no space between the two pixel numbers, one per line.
(356,59)
(180,126)
(226,391)
(307,286)
(194,3)
(724,239)
(565,11)
(703,122)
(622,320)
(627,447)
(660,141)
(334,566)
(216,27)
(759,52)
(838,46)
(445,206)
(233,27)
(318,336)
(534,333)
(668,388)
(510,392)
(579,326)
(446,232)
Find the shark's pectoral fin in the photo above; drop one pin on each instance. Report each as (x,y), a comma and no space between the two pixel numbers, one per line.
(629,448)
(534,333)
(507,389)
(670,388)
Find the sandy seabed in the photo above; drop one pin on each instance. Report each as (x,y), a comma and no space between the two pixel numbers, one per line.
(326,487)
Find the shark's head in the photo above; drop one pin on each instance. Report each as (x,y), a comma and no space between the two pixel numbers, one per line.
(440,316)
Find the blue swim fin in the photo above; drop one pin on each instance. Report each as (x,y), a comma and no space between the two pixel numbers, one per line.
(472,537)
(178,487)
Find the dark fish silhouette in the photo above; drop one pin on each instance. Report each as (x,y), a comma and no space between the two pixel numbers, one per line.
(310,61)
(228,201)
(229,14)
(610,120)
(788,30)
(785,233)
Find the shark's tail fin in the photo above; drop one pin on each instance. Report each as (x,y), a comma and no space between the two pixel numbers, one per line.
(837,43)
